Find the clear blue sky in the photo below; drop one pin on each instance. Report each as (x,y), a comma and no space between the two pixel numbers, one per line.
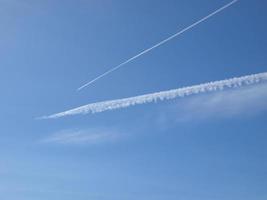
(207,147)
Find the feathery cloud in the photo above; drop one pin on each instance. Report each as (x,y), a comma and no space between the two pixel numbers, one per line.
(244,102)
(164,95)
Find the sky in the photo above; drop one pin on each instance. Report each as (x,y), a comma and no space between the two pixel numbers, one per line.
(206,147)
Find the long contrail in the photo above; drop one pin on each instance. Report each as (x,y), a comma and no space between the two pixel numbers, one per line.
(164,95)
(158,44)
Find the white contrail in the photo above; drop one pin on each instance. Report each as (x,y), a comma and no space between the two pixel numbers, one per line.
(164,95)
(158,44)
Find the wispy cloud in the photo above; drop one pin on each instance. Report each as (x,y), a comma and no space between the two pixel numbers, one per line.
(164,95)
(89,136)
(238,104)
(158,44)
(227,104)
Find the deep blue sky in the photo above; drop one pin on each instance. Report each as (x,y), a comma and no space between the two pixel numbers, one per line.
(207,147)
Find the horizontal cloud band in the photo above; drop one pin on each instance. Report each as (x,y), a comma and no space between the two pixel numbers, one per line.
(164,95)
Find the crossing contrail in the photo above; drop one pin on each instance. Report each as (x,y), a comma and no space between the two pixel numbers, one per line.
(158,44)
(164,95)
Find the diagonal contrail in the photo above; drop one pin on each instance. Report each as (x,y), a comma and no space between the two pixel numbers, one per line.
(164,95)
(158,44)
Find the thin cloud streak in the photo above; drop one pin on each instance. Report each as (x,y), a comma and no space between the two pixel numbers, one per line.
(89,136)
(158,44)
(163,95)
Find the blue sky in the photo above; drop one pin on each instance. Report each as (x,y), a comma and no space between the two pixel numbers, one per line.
(206,147)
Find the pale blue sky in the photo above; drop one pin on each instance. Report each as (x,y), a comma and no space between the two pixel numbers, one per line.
(207,147)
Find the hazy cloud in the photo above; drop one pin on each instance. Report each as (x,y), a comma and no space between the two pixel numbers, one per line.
(88,136)
(231,103)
